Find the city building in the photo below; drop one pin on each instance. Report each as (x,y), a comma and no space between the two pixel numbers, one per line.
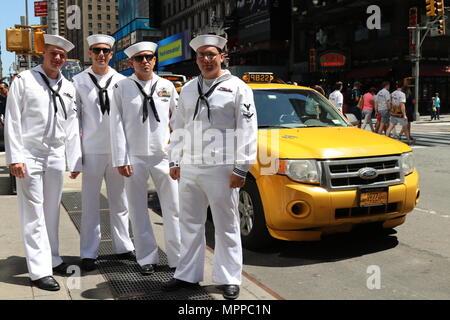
(138,21)
(181,21)
(340,40)
(258,32)
(78,19)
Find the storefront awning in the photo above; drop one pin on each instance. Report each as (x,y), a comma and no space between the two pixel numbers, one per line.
(434,71)
(369,72)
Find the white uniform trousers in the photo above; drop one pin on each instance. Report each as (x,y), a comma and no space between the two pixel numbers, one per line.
(39,197)
(167,189)
(200,186)
(95,168)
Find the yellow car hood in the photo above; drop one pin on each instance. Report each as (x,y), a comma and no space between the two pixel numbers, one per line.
(327,143)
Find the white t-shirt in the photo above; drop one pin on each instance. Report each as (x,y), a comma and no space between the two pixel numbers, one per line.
(382,98)
(337,99)
(398,97)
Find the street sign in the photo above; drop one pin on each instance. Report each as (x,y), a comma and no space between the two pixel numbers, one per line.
(40,9)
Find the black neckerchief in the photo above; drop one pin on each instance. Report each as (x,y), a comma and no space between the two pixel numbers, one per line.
(148,98)
(204,97)
(55,93)
(102,92)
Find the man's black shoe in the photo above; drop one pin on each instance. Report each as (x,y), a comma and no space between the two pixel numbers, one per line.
(230,291)
(88,264)
(147,269)
(46,283)
(61,269)
(176,284)
(127,256)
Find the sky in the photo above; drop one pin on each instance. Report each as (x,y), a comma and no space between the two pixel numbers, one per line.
(10,13)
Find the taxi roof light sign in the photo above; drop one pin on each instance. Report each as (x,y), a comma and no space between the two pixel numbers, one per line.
(260,77)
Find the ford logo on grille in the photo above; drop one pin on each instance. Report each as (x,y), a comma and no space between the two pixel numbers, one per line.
(368,173)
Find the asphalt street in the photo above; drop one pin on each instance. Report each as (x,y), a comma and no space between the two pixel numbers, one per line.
(411,261)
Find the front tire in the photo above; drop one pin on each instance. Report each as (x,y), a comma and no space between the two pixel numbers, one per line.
(254,233)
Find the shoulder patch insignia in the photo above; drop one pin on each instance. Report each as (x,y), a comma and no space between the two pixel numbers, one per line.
(246,112)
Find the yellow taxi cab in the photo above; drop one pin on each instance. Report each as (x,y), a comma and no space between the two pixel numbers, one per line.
(177,79)
(317,174)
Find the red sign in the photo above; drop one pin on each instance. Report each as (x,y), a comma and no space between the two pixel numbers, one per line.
(40,9)
(332,59)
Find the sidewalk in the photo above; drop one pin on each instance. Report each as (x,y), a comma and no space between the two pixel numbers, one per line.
(427,119)
(14,279)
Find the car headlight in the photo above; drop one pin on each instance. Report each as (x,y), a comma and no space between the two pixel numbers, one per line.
(300,170)
(407,163)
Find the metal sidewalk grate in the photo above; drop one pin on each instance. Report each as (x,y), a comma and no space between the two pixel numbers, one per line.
(123,276)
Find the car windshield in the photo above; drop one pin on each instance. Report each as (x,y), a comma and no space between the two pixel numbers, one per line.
(295,108)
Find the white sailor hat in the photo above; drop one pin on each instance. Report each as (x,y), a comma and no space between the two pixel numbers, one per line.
(100,38)
(140,46)
(58,41)
(208,40)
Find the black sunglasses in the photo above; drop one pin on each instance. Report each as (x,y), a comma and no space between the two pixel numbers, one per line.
(98,50)
(140,58)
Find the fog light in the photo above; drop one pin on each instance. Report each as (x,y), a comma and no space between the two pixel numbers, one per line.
(299,209)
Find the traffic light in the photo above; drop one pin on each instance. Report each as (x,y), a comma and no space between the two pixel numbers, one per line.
(18,40)
(440,7)
(441,27)
(39,43)
(431,8)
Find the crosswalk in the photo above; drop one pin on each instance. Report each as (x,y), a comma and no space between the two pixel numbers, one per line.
(430,139)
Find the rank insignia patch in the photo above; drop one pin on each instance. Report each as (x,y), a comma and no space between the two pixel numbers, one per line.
(246,112)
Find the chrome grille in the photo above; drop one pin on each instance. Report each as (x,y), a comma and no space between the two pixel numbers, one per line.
(344,174)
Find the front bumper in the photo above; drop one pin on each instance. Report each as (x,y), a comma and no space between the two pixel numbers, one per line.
(301,212)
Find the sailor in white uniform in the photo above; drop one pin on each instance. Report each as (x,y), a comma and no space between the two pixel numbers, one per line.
(140,115)
(213,145)
(94,89)
(42,132)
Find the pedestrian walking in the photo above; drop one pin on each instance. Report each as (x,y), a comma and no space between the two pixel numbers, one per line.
(433,108)
(410,103)
(42,132)
(94,90)
(382,105)
(221,105)
(437,105)
(336,96)
(398,112)
(354,97)
(140,115)
(368,105)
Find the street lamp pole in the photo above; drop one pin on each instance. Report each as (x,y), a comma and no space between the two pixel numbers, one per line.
(417,72)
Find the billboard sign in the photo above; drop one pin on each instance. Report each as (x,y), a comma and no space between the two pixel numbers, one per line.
(174,49)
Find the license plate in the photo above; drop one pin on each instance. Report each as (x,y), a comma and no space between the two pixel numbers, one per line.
(373,197)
